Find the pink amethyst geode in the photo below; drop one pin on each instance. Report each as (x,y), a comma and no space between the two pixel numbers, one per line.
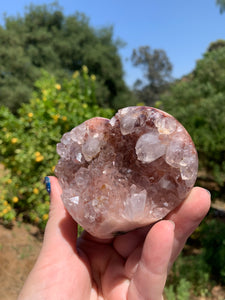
(127,172)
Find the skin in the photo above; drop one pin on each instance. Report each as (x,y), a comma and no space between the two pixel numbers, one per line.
(133,266)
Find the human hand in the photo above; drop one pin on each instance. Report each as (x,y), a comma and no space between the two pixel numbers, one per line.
(133,266)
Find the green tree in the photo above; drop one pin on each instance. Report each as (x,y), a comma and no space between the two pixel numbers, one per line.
(28,141)
(157,73)
(198,102)
(45,38)
(221,3)
(216,45)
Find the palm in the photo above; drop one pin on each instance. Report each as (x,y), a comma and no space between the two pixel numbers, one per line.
(131,266)
(109,269)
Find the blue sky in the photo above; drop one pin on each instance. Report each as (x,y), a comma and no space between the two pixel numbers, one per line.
(183,28)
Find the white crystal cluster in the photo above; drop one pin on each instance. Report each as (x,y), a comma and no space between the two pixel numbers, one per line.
(126,172)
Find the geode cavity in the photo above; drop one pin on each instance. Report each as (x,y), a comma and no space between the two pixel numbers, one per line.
(127,172)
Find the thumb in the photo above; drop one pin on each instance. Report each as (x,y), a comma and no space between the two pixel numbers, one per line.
(61,229)
(59,244)
(150,276)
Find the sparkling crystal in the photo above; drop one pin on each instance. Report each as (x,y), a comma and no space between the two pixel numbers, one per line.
(90,148)
(74,200)
(149,147)
(127,172)
(135,203)
(127,125)
(165,125)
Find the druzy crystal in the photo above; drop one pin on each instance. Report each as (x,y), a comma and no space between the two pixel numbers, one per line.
(127,172)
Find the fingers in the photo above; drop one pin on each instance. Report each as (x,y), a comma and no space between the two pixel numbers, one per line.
(187,217)
(61,229)
(149,279)
(127,243)
(150,275)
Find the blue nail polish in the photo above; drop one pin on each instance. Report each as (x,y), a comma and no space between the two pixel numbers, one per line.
(47,184)
(208,192)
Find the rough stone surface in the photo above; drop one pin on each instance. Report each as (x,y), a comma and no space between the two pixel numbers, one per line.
(127,172)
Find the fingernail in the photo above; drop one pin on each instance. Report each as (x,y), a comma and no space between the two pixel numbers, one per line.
(47,184)
(172,223)
(208,192)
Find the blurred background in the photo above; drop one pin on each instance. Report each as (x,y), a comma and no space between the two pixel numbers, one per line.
(67,61)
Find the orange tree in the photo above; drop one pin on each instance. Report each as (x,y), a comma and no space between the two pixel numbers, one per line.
(28,141)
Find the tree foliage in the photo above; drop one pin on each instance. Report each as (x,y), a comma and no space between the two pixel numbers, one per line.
(45,38)
(213,243)
(157,73)
(198,101)
(28,141)
(221,4)
(216,45)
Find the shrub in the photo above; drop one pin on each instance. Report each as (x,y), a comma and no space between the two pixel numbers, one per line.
(182,291)
(190,275)
(213,243)
(28,141)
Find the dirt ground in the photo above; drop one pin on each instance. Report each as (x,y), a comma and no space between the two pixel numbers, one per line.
(19,247)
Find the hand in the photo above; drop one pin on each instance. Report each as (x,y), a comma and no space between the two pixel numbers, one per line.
(133,266)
